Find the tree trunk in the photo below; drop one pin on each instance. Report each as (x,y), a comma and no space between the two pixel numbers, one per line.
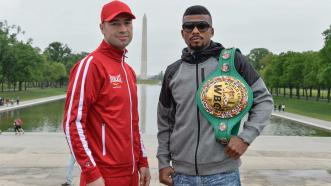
(322,94)
(290,92)
(284,91)
(306,90)
(318,94)
(311,92)
(298,93)
(329,90)
(20,86)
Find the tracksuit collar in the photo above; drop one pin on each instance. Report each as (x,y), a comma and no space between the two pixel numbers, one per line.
(111,51)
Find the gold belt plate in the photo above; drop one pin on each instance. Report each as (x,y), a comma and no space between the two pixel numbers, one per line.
(224,96)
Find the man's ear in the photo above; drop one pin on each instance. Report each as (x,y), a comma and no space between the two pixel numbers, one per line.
(101,27)
(182,32)
(212,31)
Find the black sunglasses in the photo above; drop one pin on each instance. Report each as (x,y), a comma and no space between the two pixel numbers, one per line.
(202,26)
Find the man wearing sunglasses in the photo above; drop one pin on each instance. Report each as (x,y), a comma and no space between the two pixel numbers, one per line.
(188,153)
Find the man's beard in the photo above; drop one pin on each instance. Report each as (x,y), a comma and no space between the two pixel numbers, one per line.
(198,48)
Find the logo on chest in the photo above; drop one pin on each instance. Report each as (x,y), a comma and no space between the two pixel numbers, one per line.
(115,80)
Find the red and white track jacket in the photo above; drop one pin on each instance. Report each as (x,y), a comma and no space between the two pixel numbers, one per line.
(101,115)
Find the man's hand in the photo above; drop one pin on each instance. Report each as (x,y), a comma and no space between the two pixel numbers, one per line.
(165,176)
(145,176)
(235,148)
(99,182)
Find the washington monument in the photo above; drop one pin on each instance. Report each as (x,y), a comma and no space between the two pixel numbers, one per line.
(143,74)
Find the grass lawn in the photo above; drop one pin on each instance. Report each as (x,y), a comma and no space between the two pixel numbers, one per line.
(33,93)
(310,108)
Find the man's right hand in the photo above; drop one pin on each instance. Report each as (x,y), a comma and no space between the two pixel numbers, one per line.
(99,182)
(165,176)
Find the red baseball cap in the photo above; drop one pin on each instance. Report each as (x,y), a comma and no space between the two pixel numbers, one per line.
(114,8)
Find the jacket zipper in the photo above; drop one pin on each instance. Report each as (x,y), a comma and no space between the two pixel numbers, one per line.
(198,117)
(202,74)
(129,91)
(103,136)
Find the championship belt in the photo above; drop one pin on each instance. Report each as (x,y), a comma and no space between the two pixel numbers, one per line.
(224,98)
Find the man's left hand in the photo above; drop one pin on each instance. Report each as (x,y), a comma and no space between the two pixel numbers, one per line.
(236,147)
(145,176)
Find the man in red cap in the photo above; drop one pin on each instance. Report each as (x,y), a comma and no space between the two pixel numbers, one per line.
(101,115)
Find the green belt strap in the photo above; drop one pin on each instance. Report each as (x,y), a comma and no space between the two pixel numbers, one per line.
(224,122)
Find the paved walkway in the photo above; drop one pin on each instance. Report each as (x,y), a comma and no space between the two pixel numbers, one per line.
(305,120)
(36,159)
(41,158)
(31,103)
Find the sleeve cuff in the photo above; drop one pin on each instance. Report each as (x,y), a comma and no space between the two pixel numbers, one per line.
(92,174)
(248,135)
(143,162)
(163,162)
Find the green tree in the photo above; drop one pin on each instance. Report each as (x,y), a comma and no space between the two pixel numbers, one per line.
(8,64)
(272,72)
(60,73)
(324,76)
(7,39)
(311,62)
(57,52)
(293,71)
(256,55)
(327,34)
(53,73)
(73,59)
(325,52)
(27,61)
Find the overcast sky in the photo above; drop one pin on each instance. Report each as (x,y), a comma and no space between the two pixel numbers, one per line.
(278,25)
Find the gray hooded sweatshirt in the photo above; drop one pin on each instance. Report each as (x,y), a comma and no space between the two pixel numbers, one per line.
(186,139)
